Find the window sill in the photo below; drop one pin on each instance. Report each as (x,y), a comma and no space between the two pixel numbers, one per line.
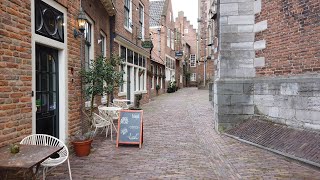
(128,29)
(122,94)
(139,92)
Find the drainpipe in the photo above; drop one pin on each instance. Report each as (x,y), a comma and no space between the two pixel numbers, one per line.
(112,36)
(159,41)
(204,72)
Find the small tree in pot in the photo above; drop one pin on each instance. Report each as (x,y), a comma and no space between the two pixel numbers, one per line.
(157,88)
(100,78)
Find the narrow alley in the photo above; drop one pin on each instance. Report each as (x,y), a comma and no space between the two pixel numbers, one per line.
(180,143)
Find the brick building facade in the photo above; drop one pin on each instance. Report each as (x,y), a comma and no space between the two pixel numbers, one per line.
(129,32)
(163,39)
(188,45)
(206,42)
(40,61)
(268,63)
(20,47)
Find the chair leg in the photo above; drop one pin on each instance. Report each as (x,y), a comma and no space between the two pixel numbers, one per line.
(95,131)
(111,131)
(44,173)
(107,130)
(69,169)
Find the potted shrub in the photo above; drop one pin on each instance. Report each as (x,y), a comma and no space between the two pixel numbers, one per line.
(138,97)
(157,88)
(101,78)
(82,143)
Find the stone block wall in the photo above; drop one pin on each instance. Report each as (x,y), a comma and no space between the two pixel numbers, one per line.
(233,87)
(287,91)
(293,101)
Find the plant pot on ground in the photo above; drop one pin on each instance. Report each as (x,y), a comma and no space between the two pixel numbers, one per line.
(82,143)
(157,88)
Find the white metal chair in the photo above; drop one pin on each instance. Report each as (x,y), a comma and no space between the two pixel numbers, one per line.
(99,121)
(109,115)
(47,140)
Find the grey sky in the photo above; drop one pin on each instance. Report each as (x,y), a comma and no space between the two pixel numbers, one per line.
(190,9)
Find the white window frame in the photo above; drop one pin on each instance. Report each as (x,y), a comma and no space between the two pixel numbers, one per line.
(142,28)
(170,68)
(129,28)
(104,41)
(157,72)
(152,80)
(186,31)
(138,80)
(193,77)
(172,40)
(91,50)
(193,60)
(168,37)
(62,66)
(161,78)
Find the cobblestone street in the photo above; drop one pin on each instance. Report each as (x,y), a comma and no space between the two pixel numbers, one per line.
(180,143)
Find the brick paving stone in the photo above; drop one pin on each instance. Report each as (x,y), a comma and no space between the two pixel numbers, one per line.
(180,143)
(299,143)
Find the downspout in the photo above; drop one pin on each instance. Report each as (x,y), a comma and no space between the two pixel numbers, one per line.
(112,36)
(159,41)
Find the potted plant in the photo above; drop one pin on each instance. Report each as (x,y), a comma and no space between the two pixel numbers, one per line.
(82,143)
(102,78)
(138,97)
(157,88)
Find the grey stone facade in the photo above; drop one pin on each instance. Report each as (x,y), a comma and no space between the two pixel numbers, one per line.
(293,101)
(233,87)
(238,94)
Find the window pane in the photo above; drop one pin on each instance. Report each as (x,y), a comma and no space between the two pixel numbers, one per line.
(140,61)
(122,69)
(144,62)
(87,32)
(136,76)
(123,53)
(136,59)
(130,56)
(102,45)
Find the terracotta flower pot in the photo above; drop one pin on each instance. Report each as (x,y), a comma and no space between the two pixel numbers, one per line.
(82,148)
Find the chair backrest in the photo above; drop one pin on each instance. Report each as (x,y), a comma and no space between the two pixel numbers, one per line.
(98,120)
(46,140)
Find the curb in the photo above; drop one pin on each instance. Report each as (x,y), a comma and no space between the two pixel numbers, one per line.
(275,151)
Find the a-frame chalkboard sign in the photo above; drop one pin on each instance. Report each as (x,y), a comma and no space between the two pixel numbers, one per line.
(130,127)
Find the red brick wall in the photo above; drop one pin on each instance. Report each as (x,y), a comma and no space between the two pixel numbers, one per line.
(15,70)
(119,19)
(74,87)
(96,11)
(292,37)
(189,38)
(132,36)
